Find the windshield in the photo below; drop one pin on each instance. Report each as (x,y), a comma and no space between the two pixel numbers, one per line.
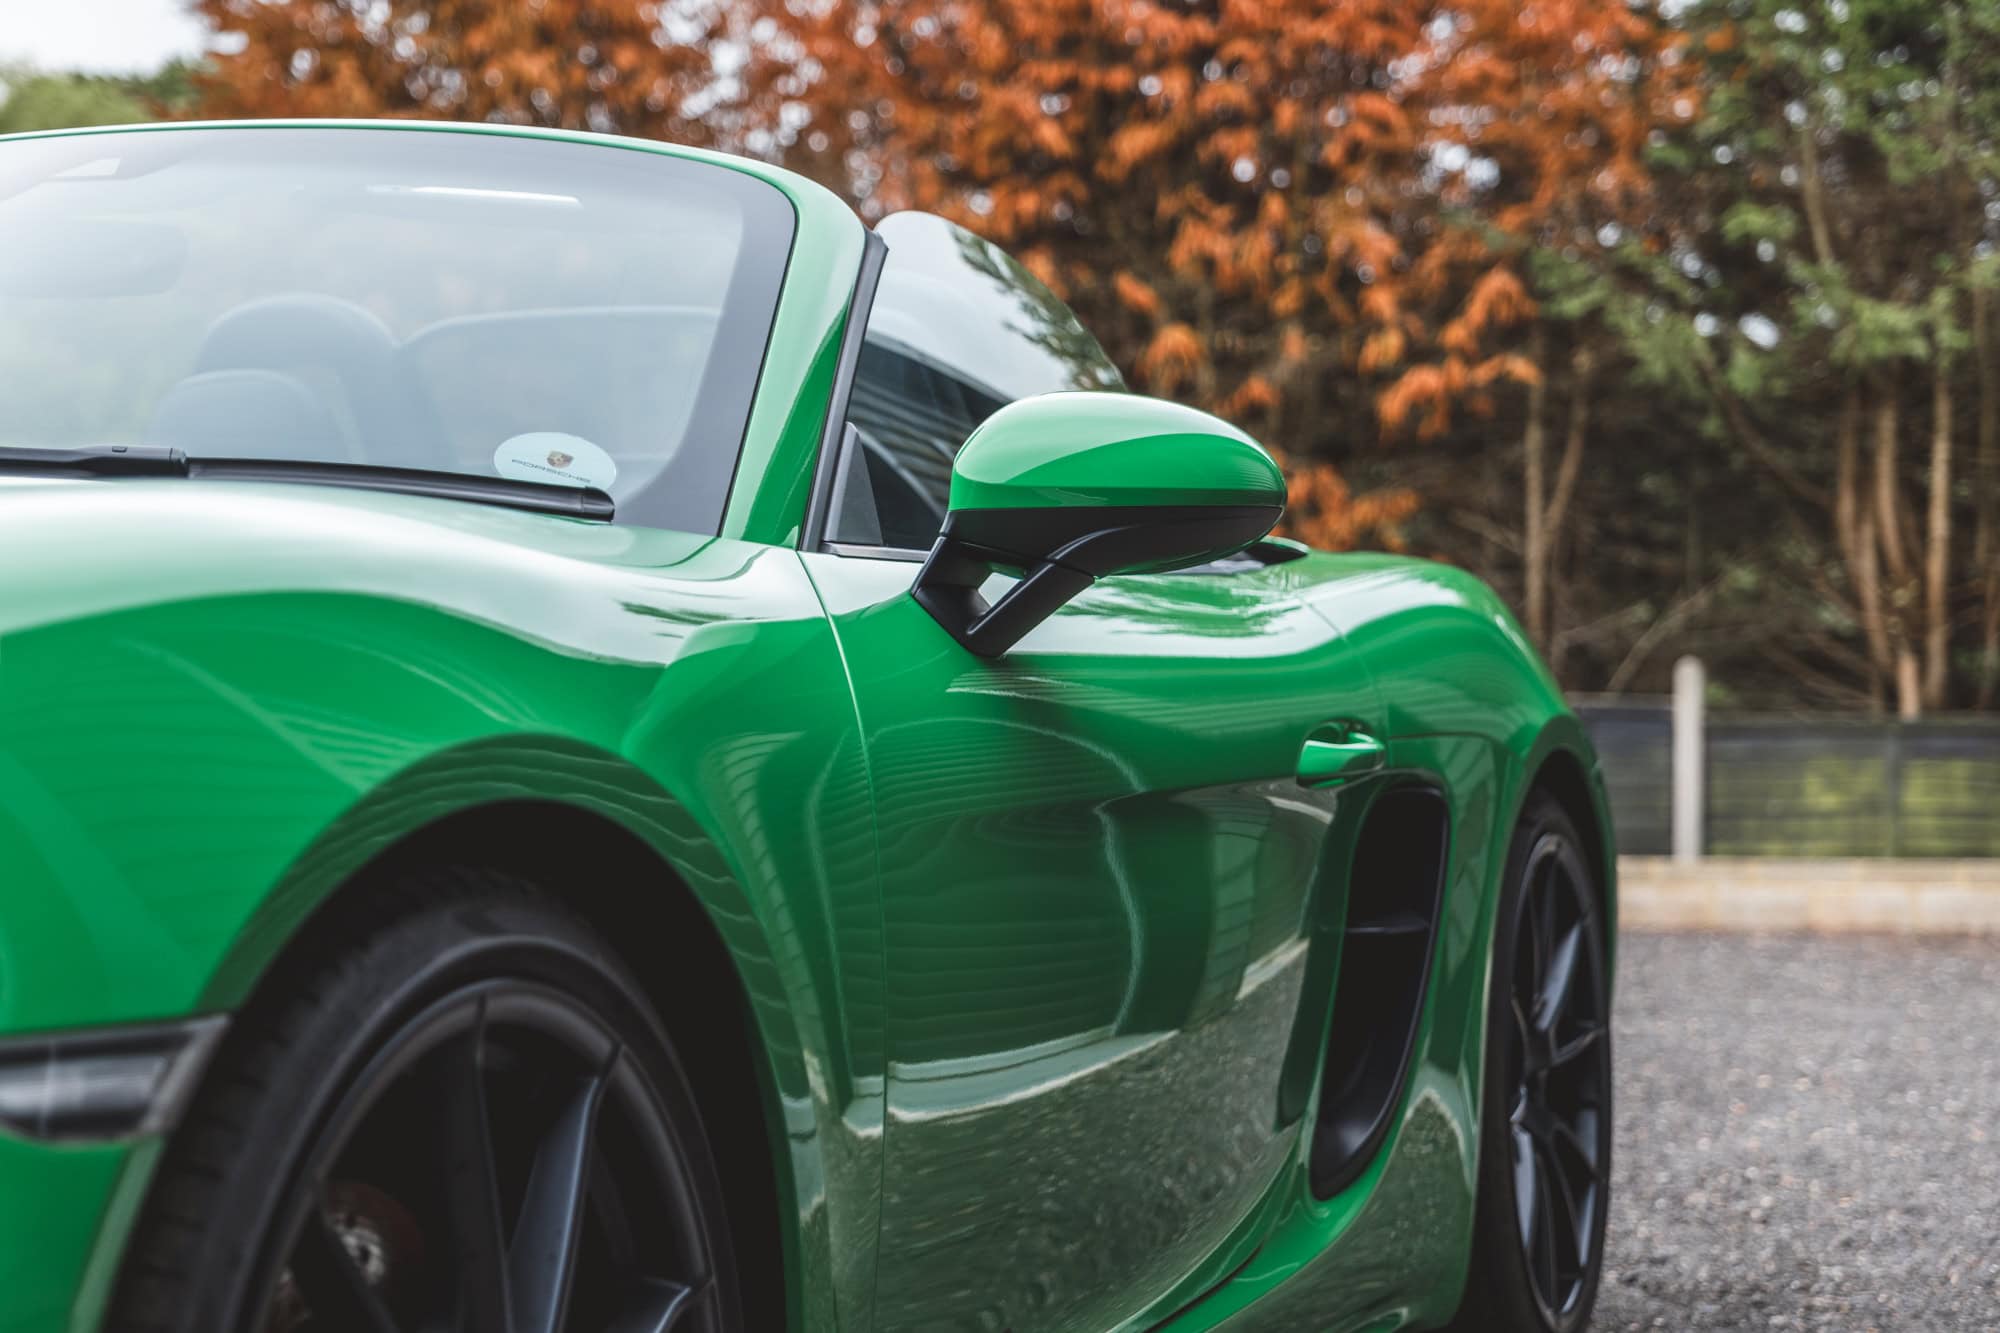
(473,303)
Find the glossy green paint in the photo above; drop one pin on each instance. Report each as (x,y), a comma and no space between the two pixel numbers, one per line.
(49,1225)
(217,702)
(1474,714)
(966,890)
(1031,947)
(1098,872)
(1113,449)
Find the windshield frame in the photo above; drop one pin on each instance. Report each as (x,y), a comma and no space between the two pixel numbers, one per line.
(692,490)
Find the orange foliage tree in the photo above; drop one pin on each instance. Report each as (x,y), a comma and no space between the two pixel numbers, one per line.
(1251,201)
(617,66)
(1218,189)
(1538,118)
(1316,216)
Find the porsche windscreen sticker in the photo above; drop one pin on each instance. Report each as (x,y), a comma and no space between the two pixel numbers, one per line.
(555,459)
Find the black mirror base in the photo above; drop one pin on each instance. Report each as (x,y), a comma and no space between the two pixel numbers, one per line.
(948,588)
(1064,550)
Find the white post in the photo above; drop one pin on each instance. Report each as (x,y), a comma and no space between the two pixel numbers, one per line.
(1690,684)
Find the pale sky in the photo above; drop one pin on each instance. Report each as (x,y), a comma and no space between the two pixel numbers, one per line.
(102,36)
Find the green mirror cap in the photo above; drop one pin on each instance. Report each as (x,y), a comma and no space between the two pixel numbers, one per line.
(1110,449)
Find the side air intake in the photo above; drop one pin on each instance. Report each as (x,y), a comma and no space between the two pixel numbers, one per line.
(1385,958)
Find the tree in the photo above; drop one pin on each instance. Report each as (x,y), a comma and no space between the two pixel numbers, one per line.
(35,101)
(1755,243)
(615,66)
(1833,269)
(1538,119)
(1218,190)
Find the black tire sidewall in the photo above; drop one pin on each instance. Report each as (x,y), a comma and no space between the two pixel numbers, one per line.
(1499,1293)
(299,1047)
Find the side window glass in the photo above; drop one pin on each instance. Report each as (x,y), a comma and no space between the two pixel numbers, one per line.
(958,331)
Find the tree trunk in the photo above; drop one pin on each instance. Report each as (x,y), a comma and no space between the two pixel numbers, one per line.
(1534,533)
(1989,652)
(1812,188)
(1888,496)
(1691,534)
(1986,494)
(1555,514)
(1855,534)
(1868,592)
(1937,556)
(1584,365)
(1847,472)
(1909,697)
(1889,522)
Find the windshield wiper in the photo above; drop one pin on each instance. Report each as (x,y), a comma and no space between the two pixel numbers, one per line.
(149,460)
(568,501)
(97,460)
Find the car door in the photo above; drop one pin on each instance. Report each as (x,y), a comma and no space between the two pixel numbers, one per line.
(1098,866)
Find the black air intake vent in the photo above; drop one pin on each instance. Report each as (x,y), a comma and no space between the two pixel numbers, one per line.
(1385,957)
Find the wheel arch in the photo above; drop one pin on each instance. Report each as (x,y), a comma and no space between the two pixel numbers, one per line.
(633,863)
(1563,764)
(661,933)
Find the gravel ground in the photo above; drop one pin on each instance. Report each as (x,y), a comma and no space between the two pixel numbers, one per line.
(1808,1135)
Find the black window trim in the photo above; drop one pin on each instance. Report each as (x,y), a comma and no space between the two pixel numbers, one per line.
(834,432)
(836,437)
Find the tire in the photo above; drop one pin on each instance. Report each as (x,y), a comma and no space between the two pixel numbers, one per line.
(1545,1119)
(449,1108)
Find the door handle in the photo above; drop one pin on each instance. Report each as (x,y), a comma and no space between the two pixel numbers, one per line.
(1339,752)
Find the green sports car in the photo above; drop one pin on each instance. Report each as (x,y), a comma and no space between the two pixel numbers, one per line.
(589,743)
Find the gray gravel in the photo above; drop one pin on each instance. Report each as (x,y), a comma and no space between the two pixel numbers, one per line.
(1808,1135)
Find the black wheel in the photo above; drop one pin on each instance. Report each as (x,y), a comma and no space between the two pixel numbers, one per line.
(1545,1145)
(456,1116)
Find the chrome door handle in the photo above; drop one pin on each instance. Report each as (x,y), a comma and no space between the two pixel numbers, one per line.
(1339,752)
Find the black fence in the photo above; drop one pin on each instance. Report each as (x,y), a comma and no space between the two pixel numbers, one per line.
(1783,786)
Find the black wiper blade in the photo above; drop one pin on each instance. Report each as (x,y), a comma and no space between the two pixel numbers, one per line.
(568,501)
(147,460)
(97,460)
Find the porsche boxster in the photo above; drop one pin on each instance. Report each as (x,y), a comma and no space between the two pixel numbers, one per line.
(589,742)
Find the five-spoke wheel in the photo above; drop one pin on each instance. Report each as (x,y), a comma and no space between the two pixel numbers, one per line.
(1545,1133)
(501,1168)
(460,1117)
(1559,1074)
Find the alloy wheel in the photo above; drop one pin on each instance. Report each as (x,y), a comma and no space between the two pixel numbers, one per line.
(503,1165)
(1559,1075)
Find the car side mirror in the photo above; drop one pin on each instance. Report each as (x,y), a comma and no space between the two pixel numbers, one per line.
(1069,488)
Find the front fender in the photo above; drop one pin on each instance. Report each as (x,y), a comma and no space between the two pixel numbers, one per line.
(182,782)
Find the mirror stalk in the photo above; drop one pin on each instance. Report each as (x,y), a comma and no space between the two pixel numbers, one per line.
(948,588)
(1071,549)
